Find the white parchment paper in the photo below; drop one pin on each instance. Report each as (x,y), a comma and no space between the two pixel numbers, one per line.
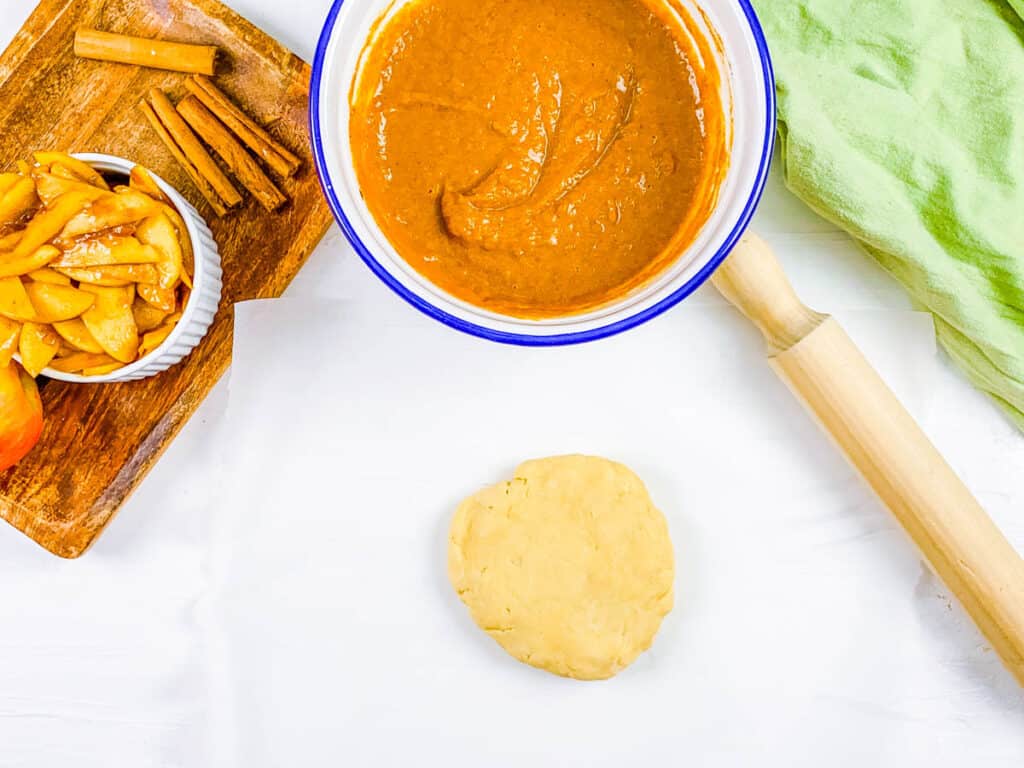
(805,629)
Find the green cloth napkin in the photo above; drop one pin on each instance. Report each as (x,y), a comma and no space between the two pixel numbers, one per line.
(902,121)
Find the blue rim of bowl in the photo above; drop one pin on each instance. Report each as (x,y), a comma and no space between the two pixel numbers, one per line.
(522,339)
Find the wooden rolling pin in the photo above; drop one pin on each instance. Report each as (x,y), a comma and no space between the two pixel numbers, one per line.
(824,368)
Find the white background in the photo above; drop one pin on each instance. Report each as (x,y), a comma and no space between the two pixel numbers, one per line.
(106,661)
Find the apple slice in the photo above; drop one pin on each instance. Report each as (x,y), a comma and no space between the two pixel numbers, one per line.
(90,277)
(22,266)
(50,222)
(8,241)
(111,322)
(21,414)
(76,362)
(147,317)
(17,201)
(188,257)
(100,370)
(113,275)
(47,275)
(14,300)
(62,172)
(141,179)
(159,232)
(57,302)
(106,250)
(37,347)
(15,266)
(161,298)
(10,332)
(77,335)
(111,209)
(49,187)
(79,168)
(157,336)
(8,180)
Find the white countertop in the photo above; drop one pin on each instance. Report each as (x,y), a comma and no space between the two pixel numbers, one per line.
(77,686)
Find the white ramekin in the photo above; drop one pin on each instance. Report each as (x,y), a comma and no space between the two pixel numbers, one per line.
(202,302)
(748,93)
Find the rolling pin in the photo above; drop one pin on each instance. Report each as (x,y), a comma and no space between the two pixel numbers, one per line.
(825,370)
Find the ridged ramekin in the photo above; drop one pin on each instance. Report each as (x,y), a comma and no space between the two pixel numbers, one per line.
(203,299)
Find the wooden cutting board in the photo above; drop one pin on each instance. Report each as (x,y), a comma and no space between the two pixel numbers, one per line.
(100,440)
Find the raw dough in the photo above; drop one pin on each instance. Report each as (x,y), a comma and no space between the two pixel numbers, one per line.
(569,565)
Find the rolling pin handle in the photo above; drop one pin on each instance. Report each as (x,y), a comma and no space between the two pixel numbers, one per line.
(752,280)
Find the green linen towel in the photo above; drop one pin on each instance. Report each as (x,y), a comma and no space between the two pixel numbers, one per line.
(902,121)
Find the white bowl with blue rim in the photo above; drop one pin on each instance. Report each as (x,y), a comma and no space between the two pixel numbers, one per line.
(748,94)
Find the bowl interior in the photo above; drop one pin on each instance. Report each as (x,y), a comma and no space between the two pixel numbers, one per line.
(747,93)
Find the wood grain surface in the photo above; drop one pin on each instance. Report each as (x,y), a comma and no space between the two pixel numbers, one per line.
(100,440)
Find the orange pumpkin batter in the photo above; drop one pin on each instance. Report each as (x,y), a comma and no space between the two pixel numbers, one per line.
(538,157)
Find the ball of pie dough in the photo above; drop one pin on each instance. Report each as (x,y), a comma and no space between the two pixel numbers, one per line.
(568,565)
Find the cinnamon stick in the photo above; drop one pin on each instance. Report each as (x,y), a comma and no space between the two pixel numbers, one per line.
(201,183)
(158,54)
(279,159)
(234,155)
(194,149)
